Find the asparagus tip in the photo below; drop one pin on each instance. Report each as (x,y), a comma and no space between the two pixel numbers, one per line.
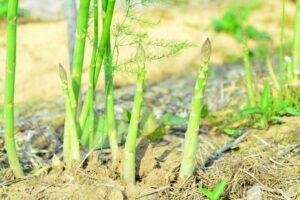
(62,73)
(140,56)
(206,50)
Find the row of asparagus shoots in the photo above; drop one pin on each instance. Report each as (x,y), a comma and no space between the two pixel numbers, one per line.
(80,124)
(191,136)
(103,56)
(74,131)
(84,131)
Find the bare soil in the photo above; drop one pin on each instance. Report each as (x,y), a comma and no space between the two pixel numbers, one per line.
(267,159)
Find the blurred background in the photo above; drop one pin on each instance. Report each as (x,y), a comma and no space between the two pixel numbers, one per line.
(43,39)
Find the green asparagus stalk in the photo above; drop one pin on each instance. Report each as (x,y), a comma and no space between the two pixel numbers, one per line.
(71,146)
(100,55)
(249,79)
(91,78)
(130,145)
(289,78)
(81,30)
(296,50)
(281,71)
(109,101)
(10,87)
(110,112)
(191,135)
(272,73)
(289,70)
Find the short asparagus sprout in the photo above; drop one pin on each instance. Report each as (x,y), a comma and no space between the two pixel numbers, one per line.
(289,77)
(272,73)
(10,87)
(249,79)
(191,135)
(130,145)
(289,70)
(71,148)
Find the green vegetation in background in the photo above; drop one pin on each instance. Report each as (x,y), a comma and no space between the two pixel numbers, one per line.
(4,8)
(283,98)
(269,111)
(235,19)
(235,22)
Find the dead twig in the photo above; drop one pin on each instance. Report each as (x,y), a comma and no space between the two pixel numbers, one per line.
(42,190)
(289,150)
(211,159)
(9,182)
(154,191)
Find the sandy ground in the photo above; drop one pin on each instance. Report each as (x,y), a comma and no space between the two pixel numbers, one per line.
(43,45)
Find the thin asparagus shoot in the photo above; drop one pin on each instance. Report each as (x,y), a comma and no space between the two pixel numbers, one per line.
(191,135)
(71,148)
(281,71)
(91,88)
(10,144)
(130,145)
(289,70)
(109,102)
(249,79)
(296,49)
(109,97)
(272,73)
(289,77)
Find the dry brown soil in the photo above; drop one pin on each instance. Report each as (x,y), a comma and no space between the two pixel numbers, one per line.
(268,159)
